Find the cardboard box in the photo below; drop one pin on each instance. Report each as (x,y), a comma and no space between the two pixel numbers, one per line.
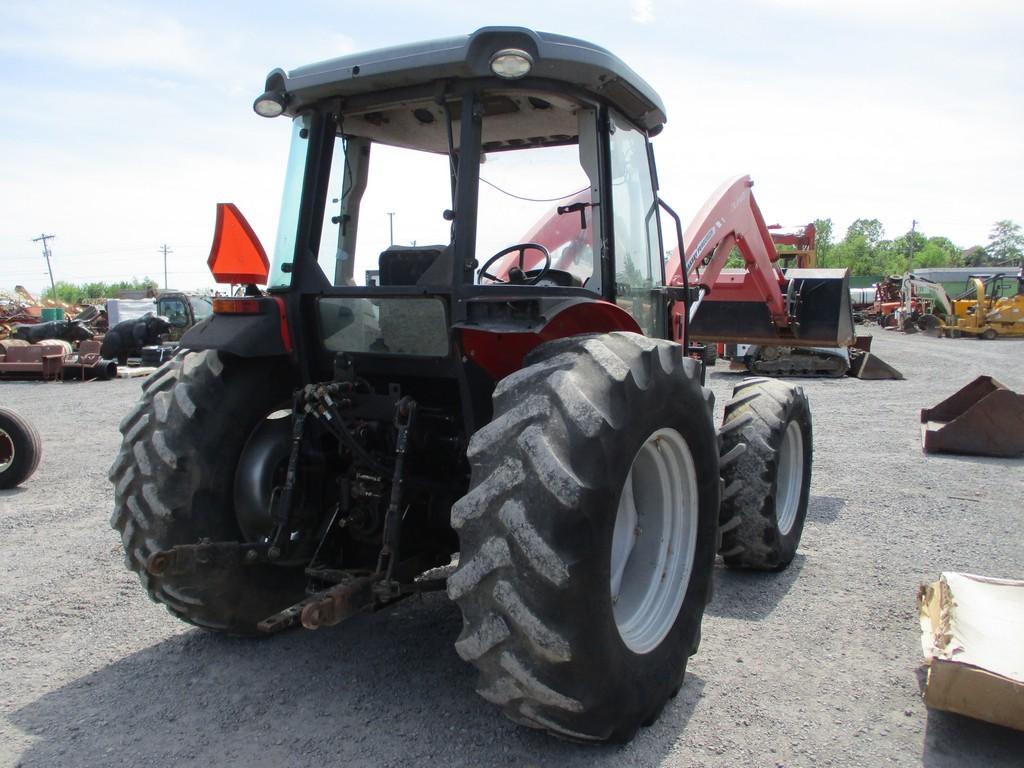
(972,635)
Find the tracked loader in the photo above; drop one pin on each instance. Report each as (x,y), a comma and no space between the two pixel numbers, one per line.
(519,426)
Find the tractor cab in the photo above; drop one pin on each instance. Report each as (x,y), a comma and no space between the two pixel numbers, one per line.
(440,193)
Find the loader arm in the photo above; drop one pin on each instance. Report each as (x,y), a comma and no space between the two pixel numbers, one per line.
(730,218)
(762,304)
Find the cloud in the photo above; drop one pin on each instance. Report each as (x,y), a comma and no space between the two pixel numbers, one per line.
(643,11)
(856,149)
(101,37)
(950,14)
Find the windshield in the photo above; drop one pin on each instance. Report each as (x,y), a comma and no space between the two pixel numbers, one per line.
(539,196)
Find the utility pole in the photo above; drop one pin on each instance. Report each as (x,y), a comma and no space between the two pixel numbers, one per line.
(46,254)
(910,259)
(391,225)
(165,250)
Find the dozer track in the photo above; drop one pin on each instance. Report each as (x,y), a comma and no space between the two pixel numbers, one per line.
(792,361)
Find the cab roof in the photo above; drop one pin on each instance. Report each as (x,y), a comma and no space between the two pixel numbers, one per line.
(555,57)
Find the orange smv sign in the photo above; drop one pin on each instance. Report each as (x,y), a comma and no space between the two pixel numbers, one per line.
(237,256)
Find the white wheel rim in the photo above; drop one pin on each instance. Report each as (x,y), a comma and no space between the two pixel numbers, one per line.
(654,540)
(6,447)
(789,478)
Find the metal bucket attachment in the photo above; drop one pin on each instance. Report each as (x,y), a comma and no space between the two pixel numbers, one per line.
(983,418)
(823,311)
(864,365)
(863,342)
(818,299)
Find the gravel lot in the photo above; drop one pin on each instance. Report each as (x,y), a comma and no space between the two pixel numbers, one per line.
(819,665)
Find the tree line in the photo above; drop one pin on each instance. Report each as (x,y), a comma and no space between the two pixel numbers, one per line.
(866,251)
(72,293)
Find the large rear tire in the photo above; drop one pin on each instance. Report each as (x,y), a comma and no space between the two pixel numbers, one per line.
(20,449)
(588,535)
(174,484)
(766,472)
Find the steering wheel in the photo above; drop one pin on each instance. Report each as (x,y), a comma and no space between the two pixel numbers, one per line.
(515,278)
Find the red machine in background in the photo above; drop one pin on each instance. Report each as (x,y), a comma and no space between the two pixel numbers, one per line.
(760,304)
(800,244)
(798,319)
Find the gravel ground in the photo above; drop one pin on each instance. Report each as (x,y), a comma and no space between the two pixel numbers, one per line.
(819,665)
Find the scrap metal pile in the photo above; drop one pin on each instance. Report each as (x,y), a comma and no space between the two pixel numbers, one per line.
(35,345)
(18,308)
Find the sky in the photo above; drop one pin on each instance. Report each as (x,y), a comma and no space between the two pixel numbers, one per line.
(131,120)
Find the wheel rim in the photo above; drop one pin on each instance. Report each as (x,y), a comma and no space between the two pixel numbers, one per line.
(654,540)
(789,478)
(6,451)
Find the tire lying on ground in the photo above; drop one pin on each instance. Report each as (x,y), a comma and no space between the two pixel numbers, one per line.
(174,481)
(588,535)
(20,449)
(766,472)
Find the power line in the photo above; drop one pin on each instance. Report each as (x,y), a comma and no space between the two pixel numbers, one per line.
(66,254)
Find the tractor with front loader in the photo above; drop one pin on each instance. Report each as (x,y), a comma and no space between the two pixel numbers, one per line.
(523,427)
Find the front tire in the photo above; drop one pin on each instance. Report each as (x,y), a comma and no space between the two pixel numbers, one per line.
(590,424)
(766,471)
(174,484)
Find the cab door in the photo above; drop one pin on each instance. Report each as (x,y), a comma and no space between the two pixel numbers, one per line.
(636,239)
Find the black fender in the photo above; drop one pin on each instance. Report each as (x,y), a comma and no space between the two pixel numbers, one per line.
(253,334)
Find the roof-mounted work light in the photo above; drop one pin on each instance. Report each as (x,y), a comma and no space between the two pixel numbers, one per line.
(511,63)
(270,104)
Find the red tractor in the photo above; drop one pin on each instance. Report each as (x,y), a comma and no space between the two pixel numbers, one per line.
(519,426)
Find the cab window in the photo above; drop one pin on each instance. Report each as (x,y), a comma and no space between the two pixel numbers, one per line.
(175,312)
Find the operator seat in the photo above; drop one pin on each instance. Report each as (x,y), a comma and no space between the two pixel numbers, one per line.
(402,325)
(409,265)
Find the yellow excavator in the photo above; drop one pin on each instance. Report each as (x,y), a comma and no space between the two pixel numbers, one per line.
(988,317)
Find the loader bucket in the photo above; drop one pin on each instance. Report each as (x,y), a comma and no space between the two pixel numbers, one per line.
(983,418)
(864,365)
(820,307)
(863,343)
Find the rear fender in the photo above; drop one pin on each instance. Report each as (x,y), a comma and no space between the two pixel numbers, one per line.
(500,350)
(265,334)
